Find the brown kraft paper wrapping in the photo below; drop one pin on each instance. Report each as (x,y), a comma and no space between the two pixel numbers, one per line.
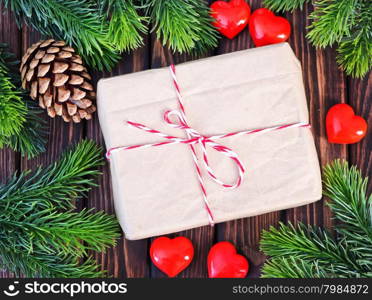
(156,190)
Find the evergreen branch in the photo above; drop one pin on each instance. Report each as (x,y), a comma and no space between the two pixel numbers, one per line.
(40,235)
(347,189)
(56,185)
(10,63)
(355,51)
(332,20)
(184,26)
(346,255)
(44,265)
(346,22)
(284,5)
(12,109)
(75,21)
(288,267)
(31,139)
(65,233)
(125,24)
(208,34)
(310,244)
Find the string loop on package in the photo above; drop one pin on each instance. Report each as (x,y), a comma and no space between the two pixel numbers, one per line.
(177,119)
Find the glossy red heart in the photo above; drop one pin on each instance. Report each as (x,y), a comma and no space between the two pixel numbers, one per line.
(265,28)
(171,256)
(224,262)
(230,17)
(343,126)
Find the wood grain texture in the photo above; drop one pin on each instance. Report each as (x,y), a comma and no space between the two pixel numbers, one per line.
(360,97)
(128,258)
(325,86)
(9,160)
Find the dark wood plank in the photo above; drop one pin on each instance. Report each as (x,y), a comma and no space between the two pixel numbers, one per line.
(128,258)
(245,233)
(9,160)
(325,86)
(360,97)
(202,238)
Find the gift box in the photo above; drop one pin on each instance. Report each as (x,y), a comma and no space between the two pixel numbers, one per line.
(157,189)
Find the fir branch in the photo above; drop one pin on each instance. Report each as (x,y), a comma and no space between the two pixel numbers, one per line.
(347,189)
(31,139)
(288,267)
(345,22)
(310,244)
(332,19)
(56,185)
(45,265)
(75,21)
(9,62)
(40,235)
(355,51)
(125,24)
(185,26)
(12,109)
(346,255)
(66,233)
(284,5)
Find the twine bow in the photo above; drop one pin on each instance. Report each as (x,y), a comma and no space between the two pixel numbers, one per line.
(177,119)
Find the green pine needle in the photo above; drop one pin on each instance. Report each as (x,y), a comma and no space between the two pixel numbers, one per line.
(40,234)
(185,26)
(312,245)
(347,23)
(31,138)
(77,22)
(351,207)
(12,109)
(355,51)
(305,251)
(281,267)
(125,24)
(284,5)
(66,232)
(45,265)
(332,19)
(58,184)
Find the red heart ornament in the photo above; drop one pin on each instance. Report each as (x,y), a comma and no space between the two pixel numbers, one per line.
(224,262)
(343,126)
(171,256)
(265,28)
(230,17)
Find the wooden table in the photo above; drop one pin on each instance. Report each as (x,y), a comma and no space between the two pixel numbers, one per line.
(325,86)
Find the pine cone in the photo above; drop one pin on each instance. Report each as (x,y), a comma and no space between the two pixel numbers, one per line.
(56,77)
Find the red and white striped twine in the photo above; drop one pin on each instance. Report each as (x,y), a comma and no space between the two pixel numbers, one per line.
(193,138)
